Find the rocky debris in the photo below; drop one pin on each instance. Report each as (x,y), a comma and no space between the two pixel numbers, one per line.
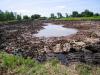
(91,40)
(77,45)
(57,48)
(97,33)
(66,47)
(93,47)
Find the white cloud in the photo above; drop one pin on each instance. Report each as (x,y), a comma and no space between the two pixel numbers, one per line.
(46,7)
(61,7)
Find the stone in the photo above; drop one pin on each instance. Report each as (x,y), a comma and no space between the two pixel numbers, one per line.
(57,48)
(93,47)
(66,47)
(46,49)
(91,40)
(78,45)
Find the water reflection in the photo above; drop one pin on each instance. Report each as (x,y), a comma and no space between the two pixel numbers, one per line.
(53,30)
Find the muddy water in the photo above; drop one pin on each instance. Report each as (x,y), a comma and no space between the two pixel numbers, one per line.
(53,30)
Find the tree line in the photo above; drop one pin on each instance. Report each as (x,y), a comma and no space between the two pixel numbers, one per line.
(85,13)
(9,16)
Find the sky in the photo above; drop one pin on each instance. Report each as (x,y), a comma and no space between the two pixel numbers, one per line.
(46,7)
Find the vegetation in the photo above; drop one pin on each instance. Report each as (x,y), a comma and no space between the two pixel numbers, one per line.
(26,17)
(12,16)
(81,18)
(53,16)
(19,17)
(85,15)
(59,15)
(15,65)
(84,69)
(6,16)
(36,16)
(75,14)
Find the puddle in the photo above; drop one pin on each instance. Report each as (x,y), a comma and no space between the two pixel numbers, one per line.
(53,30)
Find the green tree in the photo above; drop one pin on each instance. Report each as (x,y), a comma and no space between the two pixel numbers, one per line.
(96,14)
(12,16)
(52,15)
(26,17)
(66,15)
(19,17)
(7,16)
(75,14)
(87,13)
(35,16)
(59,15)
(2,18)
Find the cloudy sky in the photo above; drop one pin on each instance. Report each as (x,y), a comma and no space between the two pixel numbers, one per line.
(45,7)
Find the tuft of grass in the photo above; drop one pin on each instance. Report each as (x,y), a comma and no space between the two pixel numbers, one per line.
(84,69)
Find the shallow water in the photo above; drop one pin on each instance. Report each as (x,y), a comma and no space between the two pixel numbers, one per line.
(53,30)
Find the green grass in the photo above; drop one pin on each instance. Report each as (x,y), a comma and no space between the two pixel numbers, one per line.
(84,69)
(67,19)
(15,65)
(81,18)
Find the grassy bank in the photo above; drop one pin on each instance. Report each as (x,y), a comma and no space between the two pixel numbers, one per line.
(95,18)
(15,65)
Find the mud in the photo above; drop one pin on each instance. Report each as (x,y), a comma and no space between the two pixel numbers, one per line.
(84,46)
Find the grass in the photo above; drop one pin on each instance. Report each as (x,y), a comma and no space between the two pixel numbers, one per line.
(84,69)
(15,65)
(81,18)
(97,18)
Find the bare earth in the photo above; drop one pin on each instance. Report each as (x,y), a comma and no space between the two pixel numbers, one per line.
(18,39)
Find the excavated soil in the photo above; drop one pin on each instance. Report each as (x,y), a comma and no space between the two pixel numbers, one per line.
(84,46)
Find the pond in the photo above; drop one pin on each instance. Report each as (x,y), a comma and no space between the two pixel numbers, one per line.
(53,30)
